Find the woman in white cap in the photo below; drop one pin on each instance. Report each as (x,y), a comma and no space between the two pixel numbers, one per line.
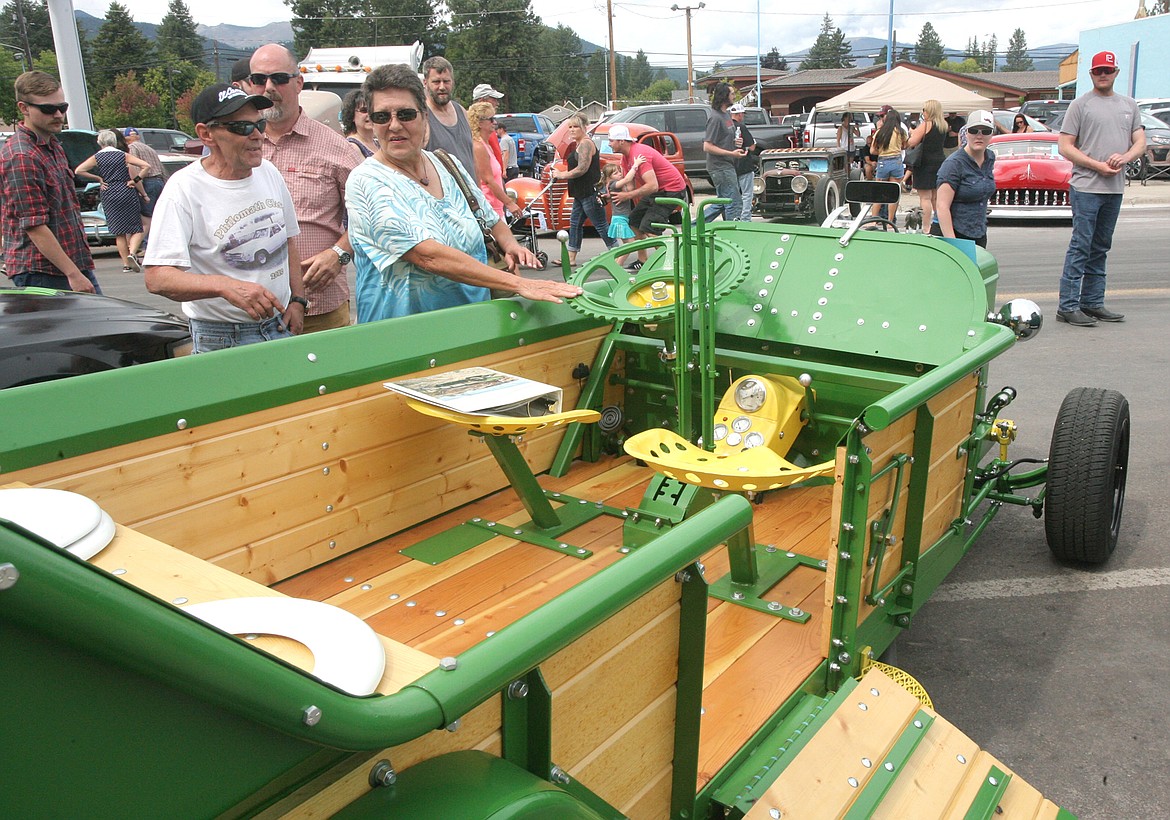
(966,181)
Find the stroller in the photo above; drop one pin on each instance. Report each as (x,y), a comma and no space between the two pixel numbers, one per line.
(525,224)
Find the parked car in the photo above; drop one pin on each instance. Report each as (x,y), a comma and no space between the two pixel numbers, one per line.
(165,139)
(1031,177)
(1157,156)
(1042,110)
(820,128)
(1005,119)
(528,130)
(687,121)
(769,132)
(93,215)
(47,335)
(551,204)
(802,183)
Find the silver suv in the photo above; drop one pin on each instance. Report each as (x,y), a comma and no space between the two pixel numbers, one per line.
(687,121)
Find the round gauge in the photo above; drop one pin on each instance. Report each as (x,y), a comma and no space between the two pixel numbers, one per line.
(733,439)
(741,424)
(753,439)
(720,432)
(750,395)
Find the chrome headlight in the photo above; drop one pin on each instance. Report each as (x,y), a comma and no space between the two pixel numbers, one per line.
(757,186)
(799,184)
(1160,140)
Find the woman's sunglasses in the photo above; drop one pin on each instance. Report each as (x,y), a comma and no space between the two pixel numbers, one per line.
(48,109)
(403,115)
(241,128)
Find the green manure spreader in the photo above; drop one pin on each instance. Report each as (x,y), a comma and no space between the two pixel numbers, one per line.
(259,583)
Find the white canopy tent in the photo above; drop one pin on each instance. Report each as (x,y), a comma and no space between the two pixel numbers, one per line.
(906,90)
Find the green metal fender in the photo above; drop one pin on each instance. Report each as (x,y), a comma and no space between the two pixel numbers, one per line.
(469,785)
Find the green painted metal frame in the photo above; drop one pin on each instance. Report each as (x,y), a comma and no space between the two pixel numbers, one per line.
(755,569)
(987,799)
(526,737)
(688,704)
(74,603)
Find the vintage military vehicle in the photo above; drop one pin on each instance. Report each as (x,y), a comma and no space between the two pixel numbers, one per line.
(802,183)
(665,599)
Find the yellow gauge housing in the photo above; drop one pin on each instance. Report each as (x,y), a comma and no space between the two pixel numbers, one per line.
(777,421)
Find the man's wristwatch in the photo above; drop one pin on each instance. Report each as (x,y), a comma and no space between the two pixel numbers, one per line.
(343,256)
(300,300)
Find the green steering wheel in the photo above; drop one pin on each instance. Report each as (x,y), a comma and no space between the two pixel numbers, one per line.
(647,295)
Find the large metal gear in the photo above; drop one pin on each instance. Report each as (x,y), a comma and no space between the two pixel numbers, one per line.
(647,295)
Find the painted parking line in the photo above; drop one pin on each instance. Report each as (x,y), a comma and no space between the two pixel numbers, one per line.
(1069,581)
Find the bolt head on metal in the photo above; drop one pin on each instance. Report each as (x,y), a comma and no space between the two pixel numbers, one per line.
(559,775)
(774,814)
(844,657)
(9,575)
(993,781)
(454,725)
(773,605)
(312,357)
(841,599)
(311,716)
(854,459)
(321,390)
(737,596)
(383,774)
(448,664)
(517,690)
(181,424)
(796,612)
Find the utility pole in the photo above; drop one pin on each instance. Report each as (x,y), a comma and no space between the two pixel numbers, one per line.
(28,55)
(690,62)
(612,59)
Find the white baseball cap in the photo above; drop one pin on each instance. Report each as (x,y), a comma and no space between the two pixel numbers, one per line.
(485,90)
(620,132)
(736,108)
(981,117)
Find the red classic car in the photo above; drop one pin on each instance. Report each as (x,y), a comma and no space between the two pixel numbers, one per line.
(1031,177)
(551,205)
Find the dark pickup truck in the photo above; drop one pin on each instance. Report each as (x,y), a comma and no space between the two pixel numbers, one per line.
(769,132)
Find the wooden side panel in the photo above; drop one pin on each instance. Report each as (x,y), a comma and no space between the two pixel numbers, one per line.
(954,413)
(275,492)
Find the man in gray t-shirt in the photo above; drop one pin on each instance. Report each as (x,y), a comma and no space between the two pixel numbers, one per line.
(1101,133)
(450,129)
(722,154)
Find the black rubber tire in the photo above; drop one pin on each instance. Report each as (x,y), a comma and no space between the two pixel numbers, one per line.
(826,198)
(1138,169)
(542,258)
(1088,460)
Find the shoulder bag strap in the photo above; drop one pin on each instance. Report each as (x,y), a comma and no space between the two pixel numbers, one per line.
(472,199)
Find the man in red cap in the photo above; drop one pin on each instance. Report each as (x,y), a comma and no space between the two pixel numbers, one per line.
(1100,134)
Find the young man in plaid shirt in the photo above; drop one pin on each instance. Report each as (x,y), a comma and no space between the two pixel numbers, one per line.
(44,240)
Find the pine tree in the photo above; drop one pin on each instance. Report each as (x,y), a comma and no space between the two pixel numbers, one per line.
(904,55)
(178,35)
(974,51)
(638,73)
(118,47)
(490,42)
(771,59)
(929,49)
(565,78)
(990,49)
(1017,53)
(880,57)
(337,23)
(831,49)
(36,28)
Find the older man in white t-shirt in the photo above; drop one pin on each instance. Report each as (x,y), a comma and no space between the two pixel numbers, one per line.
(222,228)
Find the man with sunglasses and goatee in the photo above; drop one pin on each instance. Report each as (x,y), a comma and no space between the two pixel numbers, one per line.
(222,229)
(1100,134)
(44,240)
(315,162)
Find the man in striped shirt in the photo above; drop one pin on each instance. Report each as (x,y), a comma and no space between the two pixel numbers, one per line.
(315,162)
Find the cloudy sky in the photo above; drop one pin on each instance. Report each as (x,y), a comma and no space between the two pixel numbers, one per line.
(727,28)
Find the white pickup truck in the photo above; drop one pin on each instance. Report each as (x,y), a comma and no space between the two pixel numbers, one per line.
(820,128)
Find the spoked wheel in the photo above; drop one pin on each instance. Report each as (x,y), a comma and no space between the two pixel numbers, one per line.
(542,258)
(1087,465)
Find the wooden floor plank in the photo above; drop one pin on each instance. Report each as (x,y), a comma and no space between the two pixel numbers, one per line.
(831,771)
(931,776)
(977,771)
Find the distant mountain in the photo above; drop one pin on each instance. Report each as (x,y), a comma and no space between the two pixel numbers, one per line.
(249,36)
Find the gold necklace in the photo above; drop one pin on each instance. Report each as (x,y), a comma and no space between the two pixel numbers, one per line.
(422,179)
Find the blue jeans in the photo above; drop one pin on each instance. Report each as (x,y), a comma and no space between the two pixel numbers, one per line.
(1082,283)
(745,196)
(588,206)
(45,280)
(726,183)
(890,168)
(209,336)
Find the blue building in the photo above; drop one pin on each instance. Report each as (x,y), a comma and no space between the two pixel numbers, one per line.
(1142,56)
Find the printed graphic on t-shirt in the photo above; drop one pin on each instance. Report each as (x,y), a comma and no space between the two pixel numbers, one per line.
(253,238)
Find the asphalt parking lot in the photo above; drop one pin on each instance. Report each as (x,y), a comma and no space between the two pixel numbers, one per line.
(1060,672)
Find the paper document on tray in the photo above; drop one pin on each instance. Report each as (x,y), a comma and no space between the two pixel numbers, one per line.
(482,391)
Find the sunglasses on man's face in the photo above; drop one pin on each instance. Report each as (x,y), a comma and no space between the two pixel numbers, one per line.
(403,114)
(979,131)
(279,78)
(1103,71)
(48,109)
(241,128)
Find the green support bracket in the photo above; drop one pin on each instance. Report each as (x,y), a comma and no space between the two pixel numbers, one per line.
(526,736)
(666,503)
(755,569)
(572,514)
(850,558)
(990,793)
(882,538)
(688,704)
(886,771)
(519,475)
(590,399)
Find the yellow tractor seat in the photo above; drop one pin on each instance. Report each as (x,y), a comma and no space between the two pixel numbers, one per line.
(757,468)
(504,425)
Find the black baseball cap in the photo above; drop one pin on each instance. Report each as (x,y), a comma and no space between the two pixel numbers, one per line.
(222,99)
(241,69)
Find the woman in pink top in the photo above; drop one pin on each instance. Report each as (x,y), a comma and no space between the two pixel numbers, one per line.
(487,169)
